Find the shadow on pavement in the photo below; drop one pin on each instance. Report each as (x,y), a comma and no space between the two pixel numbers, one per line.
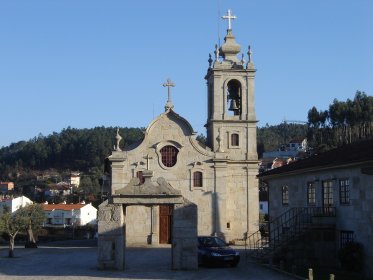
(77,259)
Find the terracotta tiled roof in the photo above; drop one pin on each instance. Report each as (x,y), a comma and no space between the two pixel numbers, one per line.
(65,207)
(352,153)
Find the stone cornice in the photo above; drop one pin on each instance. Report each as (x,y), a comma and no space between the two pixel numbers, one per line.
(231,121)
(198,148)
(219,71)
(117,156)
(147,199)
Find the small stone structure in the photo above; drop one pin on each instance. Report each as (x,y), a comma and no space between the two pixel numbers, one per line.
(112,223)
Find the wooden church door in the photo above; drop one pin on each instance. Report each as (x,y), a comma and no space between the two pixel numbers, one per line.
(165,224)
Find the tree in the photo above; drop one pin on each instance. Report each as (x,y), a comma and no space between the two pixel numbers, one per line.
(73,149)
(89,187)
(202,138)
(36,216)
(345,122)
(25,219)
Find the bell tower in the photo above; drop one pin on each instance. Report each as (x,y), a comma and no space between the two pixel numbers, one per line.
(231,120)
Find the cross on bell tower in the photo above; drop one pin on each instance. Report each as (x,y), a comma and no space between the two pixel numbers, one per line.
(169,104)
(229,17)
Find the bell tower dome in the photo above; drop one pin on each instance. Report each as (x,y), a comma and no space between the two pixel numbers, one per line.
(231,120)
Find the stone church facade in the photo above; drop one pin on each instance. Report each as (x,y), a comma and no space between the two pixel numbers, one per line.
(219,177)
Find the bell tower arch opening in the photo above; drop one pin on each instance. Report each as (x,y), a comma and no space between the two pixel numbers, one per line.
(234,97)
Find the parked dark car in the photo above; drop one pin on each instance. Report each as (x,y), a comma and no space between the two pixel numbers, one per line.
(214,251)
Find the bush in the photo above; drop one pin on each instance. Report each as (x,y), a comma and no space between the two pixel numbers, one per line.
(351,256)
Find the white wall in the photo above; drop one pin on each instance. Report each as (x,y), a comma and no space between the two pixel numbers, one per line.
(16,203)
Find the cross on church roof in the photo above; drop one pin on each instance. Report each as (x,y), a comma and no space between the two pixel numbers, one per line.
(229,17)
(148,158)
(169,84)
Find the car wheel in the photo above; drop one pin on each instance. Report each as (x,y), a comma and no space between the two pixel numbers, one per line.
(234,264)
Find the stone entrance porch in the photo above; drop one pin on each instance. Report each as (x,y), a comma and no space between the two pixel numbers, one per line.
(112,223)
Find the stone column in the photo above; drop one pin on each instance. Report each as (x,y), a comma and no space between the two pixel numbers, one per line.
(117,171)
(155,224)
(184,236)
(219,195)
(252,199)
(111,236)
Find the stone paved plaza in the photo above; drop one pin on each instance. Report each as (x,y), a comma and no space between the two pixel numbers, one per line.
(77,260)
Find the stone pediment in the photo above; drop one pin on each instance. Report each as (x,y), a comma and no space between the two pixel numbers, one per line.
(171,115)
(148,188)
(149,193)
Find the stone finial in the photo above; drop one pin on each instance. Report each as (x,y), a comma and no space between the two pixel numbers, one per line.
(310,274)
(216,52)
(220,141)
(210,60)
(249,53)
(230,49)
(243,59)
(118,138)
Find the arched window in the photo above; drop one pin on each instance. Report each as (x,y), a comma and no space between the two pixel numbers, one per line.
(235,140)
(285,195)
(169,155)
(234,97)
(140,176)
(197,179)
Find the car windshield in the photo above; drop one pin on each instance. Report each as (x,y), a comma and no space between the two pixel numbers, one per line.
(212,242)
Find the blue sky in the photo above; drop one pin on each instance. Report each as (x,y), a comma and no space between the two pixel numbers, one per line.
(87,63)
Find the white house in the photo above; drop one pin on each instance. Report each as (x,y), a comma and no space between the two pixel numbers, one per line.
(61,188)
(75,179)
(6,186)
(14,203)
(62,215)
(294,149)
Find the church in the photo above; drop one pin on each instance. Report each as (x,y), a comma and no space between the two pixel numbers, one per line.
(218,176)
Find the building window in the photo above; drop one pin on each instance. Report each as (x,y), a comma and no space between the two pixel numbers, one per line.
(235,140)
(197,179)
(327,192)
(344,191)
(169,155)
(346,236)
(140,176)
(285,195)
(311,194)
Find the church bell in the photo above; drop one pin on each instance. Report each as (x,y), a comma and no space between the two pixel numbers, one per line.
(233,105)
